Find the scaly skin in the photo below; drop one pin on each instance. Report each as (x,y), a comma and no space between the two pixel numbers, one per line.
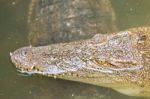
(120,61)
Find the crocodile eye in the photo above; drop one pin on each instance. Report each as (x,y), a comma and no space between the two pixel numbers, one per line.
(143,37)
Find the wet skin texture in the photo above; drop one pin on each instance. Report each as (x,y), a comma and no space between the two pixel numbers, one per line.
(120,61)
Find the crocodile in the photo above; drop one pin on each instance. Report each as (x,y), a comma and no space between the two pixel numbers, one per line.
(120,61)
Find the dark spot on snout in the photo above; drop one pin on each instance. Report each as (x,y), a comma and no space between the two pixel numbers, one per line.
(34,68)
(142,38)
(25,52)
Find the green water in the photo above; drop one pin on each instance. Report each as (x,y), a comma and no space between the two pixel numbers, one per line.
(13,35)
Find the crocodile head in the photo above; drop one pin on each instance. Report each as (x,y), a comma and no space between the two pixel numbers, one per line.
(28,61)
(120,61)
(24,59)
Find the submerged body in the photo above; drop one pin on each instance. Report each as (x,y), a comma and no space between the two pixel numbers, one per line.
(120,61)
(55,21)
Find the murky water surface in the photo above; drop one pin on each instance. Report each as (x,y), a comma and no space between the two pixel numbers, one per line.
(13,35)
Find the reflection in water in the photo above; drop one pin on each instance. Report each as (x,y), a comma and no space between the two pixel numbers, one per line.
(13,34)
